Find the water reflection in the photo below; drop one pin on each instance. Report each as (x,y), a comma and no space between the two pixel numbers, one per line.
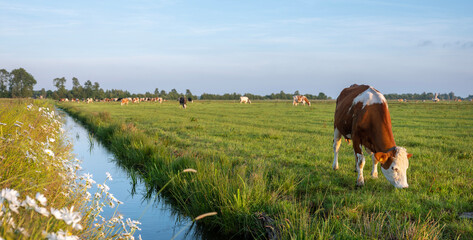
(159,220)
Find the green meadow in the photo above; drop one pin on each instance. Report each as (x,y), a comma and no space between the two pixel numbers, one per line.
(266,167)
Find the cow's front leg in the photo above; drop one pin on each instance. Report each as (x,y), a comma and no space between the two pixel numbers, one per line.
(374,171)
(360,163)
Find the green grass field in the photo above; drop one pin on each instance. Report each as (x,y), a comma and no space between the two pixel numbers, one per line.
(274,159)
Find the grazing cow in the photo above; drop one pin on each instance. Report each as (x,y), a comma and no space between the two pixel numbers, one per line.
(436,99)
(189,99)
(160,100)
(300,98)
(362,115)
(64,100)
(90,100)
(183,102)
(245,100)
(124,101)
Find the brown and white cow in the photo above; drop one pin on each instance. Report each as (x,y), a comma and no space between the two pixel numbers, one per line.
(300,99)
(124,101)
(362,115)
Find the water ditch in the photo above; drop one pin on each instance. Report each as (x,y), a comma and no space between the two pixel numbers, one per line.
(159,220)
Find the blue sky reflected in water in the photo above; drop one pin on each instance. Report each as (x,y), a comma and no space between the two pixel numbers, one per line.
(157,220)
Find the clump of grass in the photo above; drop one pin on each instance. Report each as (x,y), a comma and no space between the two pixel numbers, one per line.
(42,195)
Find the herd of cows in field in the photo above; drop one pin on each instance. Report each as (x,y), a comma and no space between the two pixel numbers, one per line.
(182,100)
(362,116)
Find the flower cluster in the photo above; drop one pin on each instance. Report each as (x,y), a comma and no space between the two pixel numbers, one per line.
(77,215)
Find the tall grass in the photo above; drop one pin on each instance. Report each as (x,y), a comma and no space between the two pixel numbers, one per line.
(266,167)
(42,195)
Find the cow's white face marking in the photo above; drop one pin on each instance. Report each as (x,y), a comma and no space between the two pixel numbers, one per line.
(396,173)
(368,97)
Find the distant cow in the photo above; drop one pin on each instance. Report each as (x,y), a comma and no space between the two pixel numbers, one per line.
(90,100)
(183,102)
(124,101)
(245,100)
(160,100)
(362,115)
(300,98)
(189,99)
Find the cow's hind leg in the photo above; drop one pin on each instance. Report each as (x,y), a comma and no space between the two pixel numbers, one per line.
(360,163)
(337,140)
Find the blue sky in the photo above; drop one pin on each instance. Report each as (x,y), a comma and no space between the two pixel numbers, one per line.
(243,46)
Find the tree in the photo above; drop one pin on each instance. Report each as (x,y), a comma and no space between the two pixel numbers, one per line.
(76,88)
(96,90)
(88,89)
(163,94)
(43,93)
(21,84)
(322,96)
(451,96)
(189,94)
(5,78)
(60,83)
(156,92)
(173,94)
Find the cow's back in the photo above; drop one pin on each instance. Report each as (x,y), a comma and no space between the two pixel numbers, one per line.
(344,112)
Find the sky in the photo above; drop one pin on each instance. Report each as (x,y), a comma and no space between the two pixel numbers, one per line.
(259,47)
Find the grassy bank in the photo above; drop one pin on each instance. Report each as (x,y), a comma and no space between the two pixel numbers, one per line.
(266,167)
(42,195)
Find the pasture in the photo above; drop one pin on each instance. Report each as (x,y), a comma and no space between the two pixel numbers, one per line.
(268,166)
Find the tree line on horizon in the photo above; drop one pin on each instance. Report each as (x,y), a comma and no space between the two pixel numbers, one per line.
(19,84)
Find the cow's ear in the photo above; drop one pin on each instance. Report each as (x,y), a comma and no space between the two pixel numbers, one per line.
(381,157)
(409,155)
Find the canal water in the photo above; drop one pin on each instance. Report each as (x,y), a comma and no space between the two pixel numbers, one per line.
(158,220)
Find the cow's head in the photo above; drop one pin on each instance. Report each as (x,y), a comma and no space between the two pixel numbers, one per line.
(394,165)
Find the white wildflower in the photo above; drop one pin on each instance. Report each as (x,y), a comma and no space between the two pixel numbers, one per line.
(133,224)
(41,210)
(40,197)
(11,195)
(30,156)
(88,196)
(51,139)
(70,217)
(29,106)
(49,152)
(103,187)
(29,203)
(62,235)
(23,231)
(88,178)
(14,207)
(2,124)
(19,123)
(56,213)
(109,177)
(97,195)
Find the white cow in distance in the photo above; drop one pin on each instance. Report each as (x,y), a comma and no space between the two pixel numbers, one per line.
(244,100)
